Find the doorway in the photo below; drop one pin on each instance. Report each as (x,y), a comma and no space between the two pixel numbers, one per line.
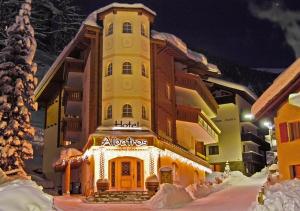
(126,173)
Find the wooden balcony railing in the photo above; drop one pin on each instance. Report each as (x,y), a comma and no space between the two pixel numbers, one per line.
(194,82)
(188,114)
(72,124)
(256,139)
(74,65)
(252,157)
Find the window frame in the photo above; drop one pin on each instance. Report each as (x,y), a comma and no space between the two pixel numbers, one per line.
(127,111)
(110,29)
(127,28)
(109,69)
(109,112)
(127,68)
(211,150)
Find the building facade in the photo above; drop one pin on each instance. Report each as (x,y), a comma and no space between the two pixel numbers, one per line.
(132,100)
(281,101)
(239,142)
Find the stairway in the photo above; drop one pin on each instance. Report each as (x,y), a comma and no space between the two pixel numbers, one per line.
(119,197)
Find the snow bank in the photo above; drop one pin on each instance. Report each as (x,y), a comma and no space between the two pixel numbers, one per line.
(20,195)
(170,196)
(283,196)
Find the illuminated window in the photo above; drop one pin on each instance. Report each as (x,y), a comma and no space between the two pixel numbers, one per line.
(144,71)
(109,69)
(143,30)
(127,69)
(127,111)
(109,112)
(144,114)
(169,128)
(110,29)
(127,28)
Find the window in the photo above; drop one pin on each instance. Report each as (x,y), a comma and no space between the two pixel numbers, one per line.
(110,29)
(109,70)
(144,114)
(213,150)
(109,112)
(289,131)
(127,28)
(127,68)
(143,30)
(169,128)
(144,71)
(127,111)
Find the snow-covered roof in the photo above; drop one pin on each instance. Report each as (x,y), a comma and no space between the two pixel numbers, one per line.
(233,86)
(281,83)
(92,18)
(178,43)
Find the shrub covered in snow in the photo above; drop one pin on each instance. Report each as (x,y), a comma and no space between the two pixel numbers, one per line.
(170,196)
(283,196)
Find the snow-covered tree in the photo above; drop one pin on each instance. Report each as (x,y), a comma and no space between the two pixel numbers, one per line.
(17,84)
(55,22)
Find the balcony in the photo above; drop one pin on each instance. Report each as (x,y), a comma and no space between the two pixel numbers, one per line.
(256,139)
(253,157)
(199,125)
(74,65)
(73,102)
(72,129)
(194,82)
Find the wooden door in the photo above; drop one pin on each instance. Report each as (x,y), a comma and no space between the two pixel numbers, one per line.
(127,173)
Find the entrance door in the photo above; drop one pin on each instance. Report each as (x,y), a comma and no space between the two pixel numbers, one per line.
(126,173)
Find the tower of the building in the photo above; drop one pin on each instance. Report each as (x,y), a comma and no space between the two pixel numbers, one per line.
(126,75)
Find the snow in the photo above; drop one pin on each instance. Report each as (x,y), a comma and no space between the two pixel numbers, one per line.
(29,197)
(232,85)
(170,196)
(92,18)
(284,80)
(283,196)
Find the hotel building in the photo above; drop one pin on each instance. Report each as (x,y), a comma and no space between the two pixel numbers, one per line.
(132,100)
(239,143)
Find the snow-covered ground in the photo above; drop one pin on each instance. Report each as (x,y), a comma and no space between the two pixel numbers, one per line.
(24,195)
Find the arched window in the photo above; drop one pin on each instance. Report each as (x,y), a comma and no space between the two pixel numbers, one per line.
(144,113)
(127,111)
(110,29)
(127,68)
(109,70)
(143,30)
(109,112)
(144,71)
(127,28)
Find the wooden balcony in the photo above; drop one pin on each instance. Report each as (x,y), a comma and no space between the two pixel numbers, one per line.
(194,82)
(187,114)
(74,65)
(72,129)
(72,102)
(256,139)
(253,157)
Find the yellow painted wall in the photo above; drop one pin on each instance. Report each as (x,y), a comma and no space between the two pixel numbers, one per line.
(119,89)
(185,174)
(230,145)
(288,153)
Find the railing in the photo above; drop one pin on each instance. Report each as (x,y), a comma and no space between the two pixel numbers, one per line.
(189,114)
(194,82)
(256,139)
(72,124)
(74,95)
(74,65)
(253,157)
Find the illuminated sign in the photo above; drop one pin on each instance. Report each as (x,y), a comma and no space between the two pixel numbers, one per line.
(126,142)
(127,125)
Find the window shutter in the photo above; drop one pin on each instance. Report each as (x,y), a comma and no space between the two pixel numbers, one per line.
(284,136)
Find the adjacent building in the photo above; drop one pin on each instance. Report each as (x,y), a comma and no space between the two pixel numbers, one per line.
(133,100)
(239,142)
(281,101)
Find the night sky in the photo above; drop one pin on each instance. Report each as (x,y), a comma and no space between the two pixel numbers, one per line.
(222,28)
